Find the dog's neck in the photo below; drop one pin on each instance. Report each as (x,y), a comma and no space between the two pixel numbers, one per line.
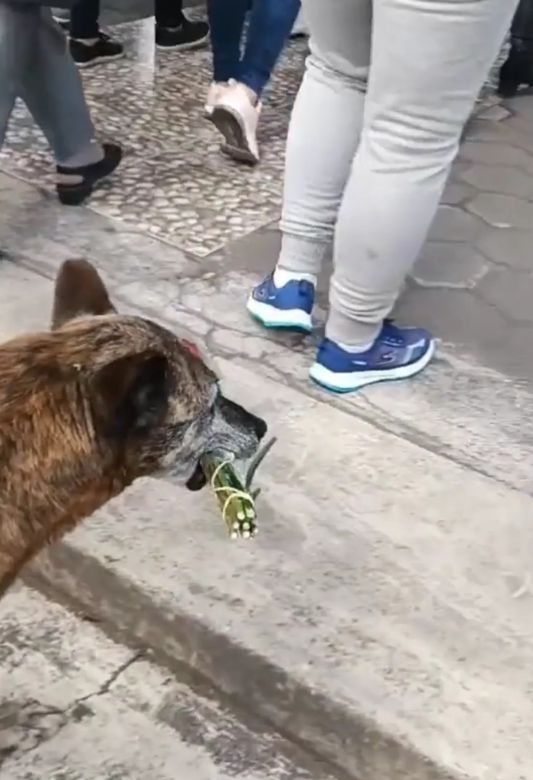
(52,474)
(24,535)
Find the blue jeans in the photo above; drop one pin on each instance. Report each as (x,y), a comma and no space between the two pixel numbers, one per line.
(270,24)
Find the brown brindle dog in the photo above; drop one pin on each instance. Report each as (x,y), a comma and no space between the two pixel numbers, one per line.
(90,406)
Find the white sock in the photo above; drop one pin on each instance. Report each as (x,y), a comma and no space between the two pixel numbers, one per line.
(353,350)
(282,277)
(90,154)
(86,41)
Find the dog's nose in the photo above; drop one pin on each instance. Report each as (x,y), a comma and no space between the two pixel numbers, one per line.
(260,427)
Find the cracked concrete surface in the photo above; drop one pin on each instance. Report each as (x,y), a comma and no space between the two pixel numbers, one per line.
(77,706)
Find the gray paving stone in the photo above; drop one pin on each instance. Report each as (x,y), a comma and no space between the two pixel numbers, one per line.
(496,113)
(506,134)
(479,130)
(37,230)
(455,316)
(257,252)
(514,130)
(522,140)
(476,327)
(447,264)
(511,294)
(501,179)
(25,301)
(512,248)
(522,108)
(457,192)
(502,211)
(496,154)
(454,224)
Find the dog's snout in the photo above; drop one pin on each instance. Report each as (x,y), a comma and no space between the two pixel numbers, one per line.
(239,418)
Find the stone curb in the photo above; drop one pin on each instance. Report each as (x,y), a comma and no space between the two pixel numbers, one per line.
(349,740)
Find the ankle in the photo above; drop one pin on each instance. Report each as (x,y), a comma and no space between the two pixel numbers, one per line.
(281,277)
(85,41)
(172,24)
(350,334)
(302,255)
(354,349)
(252,96)
(90,154)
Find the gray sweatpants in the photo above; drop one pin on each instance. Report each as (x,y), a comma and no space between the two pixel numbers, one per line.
(389,85)
(36,66)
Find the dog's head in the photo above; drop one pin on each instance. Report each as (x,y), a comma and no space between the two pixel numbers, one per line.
(149,393)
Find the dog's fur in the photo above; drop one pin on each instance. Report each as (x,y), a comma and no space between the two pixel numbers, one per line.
(90,406)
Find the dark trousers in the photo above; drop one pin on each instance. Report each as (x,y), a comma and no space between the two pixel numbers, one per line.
(270,24)
(85,13)
(522,26)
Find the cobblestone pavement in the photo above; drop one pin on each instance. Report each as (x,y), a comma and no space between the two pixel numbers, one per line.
(173,183)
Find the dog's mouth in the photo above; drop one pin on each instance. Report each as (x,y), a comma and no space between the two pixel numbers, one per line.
(197,480)
(241,443)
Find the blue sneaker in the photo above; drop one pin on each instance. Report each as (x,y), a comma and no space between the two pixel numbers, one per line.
(397,353)
(287,307)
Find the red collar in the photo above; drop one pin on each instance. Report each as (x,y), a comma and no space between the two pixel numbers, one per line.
(191,348)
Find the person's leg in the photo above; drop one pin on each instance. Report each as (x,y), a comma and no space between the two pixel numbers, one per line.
(226,21)
(323,136)
(169,13)
(84,20)
(300,28)
(88,45)
(173,30)
(52,90)
(415,110)
(50,86)
(522,24)
(518,67)
(236,111)
(11,59)
(269,28)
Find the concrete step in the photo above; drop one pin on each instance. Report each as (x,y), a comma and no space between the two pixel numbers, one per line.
(383,614)
(77,705)
(459,409)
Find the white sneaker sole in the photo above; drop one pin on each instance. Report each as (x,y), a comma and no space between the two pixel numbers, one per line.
(100,61)
(237,144)
(185,46)
(348,383)
(270,317)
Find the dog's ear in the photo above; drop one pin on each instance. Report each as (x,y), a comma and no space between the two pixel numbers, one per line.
(79,290)
(131,395)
